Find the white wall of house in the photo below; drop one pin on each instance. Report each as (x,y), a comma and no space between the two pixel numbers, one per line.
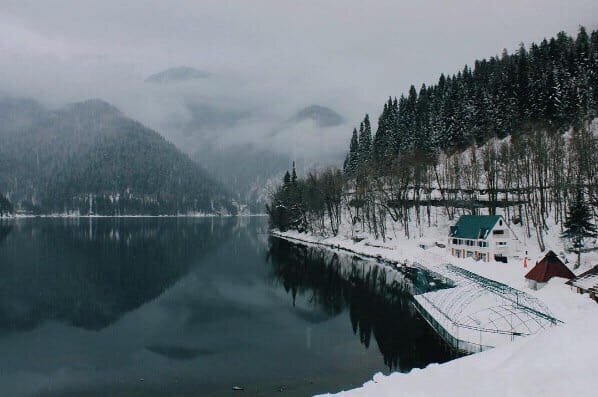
(532,284)
(499,242)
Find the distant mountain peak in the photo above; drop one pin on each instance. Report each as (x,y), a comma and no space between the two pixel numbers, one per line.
(177,74)
(322,115)
(94,104)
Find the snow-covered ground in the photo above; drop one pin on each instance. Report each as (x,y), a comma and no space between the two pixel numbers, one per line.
(556,362)
(553,361)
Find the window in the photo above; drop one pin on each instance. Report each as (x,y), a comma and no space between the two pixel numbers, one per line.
(469,254)
(455,241)
(498,232)
(470,243)
(482,244)
(501,243)
(500,223)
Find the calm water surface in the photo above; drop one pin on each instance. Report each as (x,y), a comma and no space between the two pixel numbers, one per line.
(192,307)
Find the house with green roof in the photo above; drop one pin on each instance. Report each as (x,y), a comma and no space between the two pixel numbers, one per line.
(481,237)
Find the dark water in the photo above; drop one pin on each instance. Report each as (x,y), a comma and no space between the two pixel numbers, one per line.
(192,307)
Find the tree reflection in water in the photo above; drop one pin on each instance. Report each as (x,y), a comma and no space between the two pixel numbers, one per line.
(336,282)
(5,228)
(88,273)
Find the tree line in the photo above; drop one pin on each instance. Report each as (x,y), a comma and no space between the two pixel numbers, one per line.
(553,84)
(5,206)
(312,203)
(513,133)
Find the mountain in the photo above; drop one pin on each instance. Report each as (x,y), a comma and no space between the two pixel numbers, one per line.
(177,74)
(89,157)
(247,169)
(205,121)
(323,116)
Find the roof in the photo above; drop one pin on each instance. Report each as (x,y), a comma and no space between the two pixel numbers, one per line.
(586,280)
(474,226)
(550,266)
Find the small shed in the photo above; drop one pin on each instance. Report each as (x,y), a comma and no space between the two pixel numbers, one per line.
(587,282)
(550,266)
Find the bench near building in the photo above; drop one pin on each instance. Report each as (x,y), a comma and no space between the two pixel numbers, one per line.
(481,237)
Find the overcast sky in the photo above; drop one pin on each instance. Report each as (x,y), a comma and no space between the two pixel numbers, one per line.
(267,59)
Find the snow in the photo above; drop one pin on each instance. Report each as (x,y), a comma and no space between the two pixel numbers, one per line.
(552,361)
(587,282)
(556,362)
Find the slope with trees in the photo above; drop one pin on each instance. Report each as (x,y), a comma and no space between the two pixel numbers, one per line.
(514,133)
(90,158)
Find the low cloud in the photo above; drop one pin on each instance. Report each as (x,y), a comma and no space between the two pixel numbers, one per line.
(266,59)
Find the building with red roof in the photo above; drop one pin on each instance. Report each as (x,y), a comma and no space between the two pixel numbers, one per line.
(550,266)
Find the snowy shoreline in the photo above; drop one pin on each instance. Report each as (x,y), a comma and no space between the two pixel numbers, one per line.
(499,371)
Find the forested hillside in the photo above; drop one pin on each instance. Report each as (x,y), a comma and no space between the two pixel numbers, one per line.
(513,132)
(90,158)
(552,85)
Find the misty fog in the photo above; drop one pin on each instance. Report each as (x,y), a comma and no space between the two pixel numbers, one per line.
(259,62)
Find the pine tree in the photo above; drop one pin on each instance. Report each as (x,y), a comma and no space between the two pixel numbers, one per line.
(578,224)
(346,164)
(353,155)
(286,180)
(380,140)
(365,143)
(294,175)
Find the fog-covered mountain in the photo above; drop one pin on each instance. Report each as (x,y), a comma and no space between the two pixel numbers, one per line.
(177,74)
(246,170)
(245,141)
(89,157)
(205,121)
(321,115)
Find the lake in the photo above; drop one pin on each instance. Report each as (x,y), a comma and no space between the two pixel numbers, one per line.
(192,307)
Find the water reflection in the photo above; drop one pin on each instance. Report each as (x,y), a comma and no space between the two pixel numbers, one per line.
(88,273)
(88,308)
(180,353)
(5,229)
(377,307)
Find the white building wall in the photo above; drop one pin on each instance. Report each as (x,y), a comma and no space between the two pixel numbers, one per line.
(499,242)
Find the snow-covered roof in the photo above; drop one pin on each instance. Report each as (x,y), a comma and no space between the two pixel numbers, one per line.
(549,267)
(474,226)
(587,279)
(587,282)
